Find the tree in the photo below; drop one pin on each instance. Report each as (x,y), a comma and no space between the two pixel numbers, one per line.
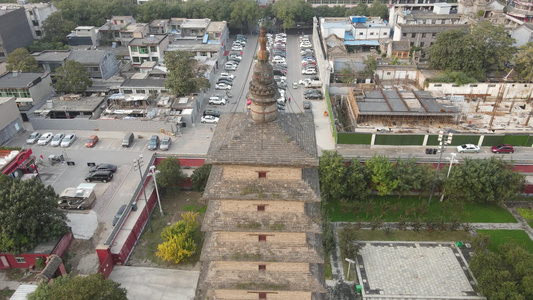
(28,214)
(41,46)
(69,287)
(370,67)
(357,181)
(200,176)
(406,171)
(22,61)
(524,63)
(178,239)
(382,174)
(185,74)
(360,10)
(56,28)
(332,173)
(348,75)
(484,180)
(290,12)
(475,53)
(244,14)
(72,78)
(378,9)
(170,173)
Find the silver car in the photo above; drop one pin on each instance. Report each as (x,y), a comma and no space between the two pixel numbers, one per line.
(68,140)
(56,141)
(33,138)
(468,148)
(165,143)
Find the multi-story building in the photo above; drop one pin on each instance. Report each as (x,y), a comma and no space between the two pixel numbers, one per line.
(521,9)
(37,13)
(263,232)
(121,30)
(523,34)
(28,89)
(420,28)
(160,26)
(194,28)
(15,31)
(83,36)
(150,48)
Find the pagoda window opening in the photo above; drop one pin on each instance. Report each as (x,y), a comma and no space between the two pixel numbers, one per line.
(260,208)
(262,238)
(262,267)
(262,174)
(262,295)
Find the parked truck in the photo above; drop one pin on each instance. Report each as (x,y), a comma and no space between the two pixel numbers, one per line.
(313,84)
(76,198)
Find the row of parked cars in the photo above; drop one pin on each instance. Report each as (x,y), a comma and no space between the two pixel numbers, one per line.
(59,139)
(308,56)
(278,53)
(235,58)
(225,81)
(471,148)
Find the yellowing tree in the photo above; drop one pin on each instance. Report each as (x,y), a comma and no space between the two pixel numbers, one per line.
(179,239)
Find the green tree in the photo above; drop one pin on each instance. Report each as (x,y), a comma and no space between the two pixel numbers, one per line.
(475,53)
(170,174)
(158,9)
(370,67)
(484,180)
(21,60)
(524,63)
(382,175)
(178,239)
(72,78)
(379,9)
(244,14)
(56,28)
(199,177)
(67,287)
(332,173)
(41,46)
(185,74)
(406,172)
(348,75)
(357,181)
(291,11)
(28,214)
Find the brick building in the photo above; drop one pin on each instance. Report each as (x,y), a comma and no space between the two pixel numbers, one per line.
(263,229)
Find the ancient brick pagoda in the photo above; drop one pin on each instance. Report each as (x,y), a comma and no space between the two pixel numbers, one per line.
(263,227)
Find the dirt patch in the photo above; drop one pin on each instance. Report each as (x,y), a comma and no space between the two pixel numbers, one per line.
(174,205)
(81,256)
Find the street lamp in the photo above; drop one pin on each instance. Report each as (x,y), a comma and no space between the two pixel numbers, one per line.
(444,139)
(137,164)
(350,262)
(452,160)
(154,172)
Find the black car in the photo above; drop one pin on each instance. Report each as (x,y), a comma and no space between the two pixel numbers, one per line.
(119,214)
(281,106)
(312,91)
(104,167)
(154,143)
(313,96)
(212,112)
(225,80)
(103,176)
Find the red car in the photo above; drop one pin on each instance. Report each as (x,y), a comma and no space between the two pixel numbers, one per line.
(93,139)
(503,149)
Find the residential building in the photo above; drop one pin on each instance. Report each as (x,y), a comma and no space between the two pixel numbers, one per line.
(194,28)
(420,28)
(99,63)
(83,35)
(28,89)
(521,9)
(121,30)
(10,119)
(523,34)
(160,26)
(353,31)
(263,229)
(150,48)
(217,33)
(175,25)
(15,32)
(36,13)
(146,85)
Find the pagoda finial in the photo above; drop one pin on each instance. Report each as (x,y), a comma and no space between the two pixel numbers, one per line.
(263,54)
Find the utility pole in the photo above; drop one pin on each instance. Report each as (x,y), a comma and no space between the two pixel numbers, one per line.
(445,138)
(137,164)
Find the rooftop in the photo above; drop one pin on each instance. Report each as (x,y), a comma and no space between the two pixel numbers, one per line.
(195,23)
(154,39)
(192,46)
(51,55)
(18,80)
(85,104)
(87,56)
(148,82)
(216,26)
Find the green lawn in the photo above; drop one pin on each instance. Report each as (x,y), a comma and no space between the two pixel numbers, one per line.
(409,235)
(499,237)
(473,212)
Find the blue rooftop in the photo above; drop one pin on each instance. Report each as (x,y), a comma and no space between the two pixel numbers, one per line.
(361,43)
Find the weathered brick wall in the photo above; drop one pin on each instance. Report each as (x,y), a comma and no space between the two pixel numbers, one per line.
(251,172)
(270,206)
(252,237)
(243,294)
(254,266)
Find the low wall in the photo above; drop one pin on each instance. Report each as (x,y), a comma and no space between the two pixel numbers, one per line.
(136,125)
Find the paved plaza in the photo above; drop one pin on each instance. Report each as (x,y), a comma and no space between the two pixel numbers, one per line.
(414,270)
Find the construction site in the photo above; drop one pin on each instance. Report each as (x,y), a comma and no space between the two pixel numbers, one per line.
(405,109)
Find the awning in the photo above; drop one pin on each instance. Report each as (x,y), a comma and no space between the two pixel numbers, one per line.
(226,53)
(361,43)
(206,37)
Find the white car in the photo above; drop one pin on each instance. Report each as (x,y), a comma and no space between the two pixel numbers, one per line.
(45,138)
(230,67)
(217,101)
(235,56)
(68,140)
(209,119)
(56,141)
(236,48)
(306,45)
(278,60)
(220,96)
(33,138)
(308,71)
(227,75)
(468,148)
(222,86)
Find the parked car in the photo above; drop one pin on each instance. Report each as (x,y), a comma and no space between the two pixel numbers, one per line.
(217,101)
(312,91)
(309,71)
(230,67)
(104,167)
(93,139)
(165,143)
(225,80)
(222,86)
(103,176)
(313,96)
(56,141)
(281,106)
(227,75)
(76,198)
(45,138)
(33,138)
(307,105)
(236,48)
(221,96)
(153,144)
(119,214)
(68,140)
(503,149)
(212,112)
(468,148)
(209,119)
